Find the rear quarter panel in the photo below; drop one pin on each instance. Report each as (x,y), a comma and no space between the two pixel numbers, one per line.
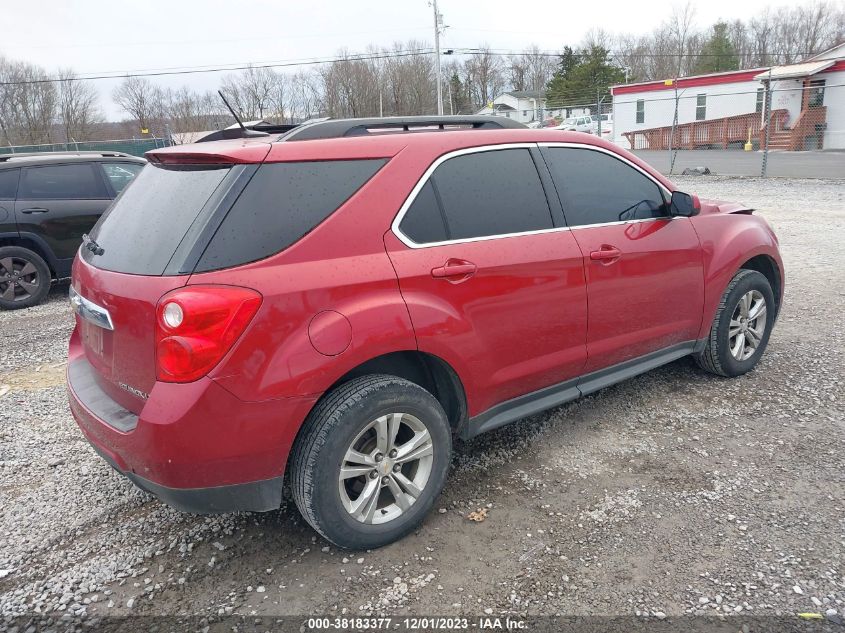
(727,242)
(341,266)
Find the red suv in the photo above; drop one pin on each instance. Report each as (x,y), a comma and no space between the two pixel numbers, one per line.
(338,302)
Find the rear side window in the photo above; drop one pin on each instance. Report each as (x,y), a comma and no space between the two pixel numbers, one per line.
(140,232)
(423,222)
(121,174)
(487,193)
(597,188)
(79,181)
(282,203)
(9,183)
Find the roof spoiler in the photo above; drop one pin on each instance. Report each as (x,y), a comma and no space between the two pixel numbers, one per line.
(237,132)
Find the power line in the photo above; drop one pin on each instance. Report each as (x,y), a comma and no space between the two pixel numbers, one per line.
(202,70)
(206,69)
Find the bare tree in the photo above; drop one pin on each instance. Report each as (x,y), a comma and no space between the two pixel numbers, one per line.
(484,76)
(79,109)
(142,100)
(680,26)
(253,93)
(530,70)
(28,103)
(305,96)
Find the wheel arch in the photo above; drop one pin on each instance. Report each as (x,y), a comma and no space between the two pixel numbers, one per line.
(34,245)
(768,267)
(732,243)
(430,372)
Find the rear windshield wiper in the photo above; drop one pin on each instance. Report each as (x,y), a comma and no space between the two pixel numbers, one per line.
(91,245)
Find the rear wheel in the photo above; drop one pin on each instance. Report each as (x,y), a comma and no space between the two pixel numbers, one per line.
(370,461)
(24,278)
(741,329)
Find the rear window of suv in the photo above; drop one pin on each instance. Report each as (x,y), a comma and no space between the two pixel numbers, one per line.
(141,231)
(165,206)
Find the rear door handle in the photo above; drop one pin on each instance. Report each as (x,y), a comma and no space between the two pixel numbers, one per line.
(454,268)
(606,253)
(35,210)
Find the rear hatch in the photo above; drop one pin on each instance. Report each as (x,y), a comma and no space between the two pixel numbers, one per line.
(144,246)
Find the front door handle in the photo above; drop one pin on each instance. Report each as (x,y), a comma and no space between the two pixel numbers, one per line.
(35,210)
(453,269)
(606,254)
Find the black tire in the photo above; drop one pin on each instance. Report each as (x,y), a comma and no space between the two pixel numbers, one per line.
(717,357)
(332,427)
(28,281)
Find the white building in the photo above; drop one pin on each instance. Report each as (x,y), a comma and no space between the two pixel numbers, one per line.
(524,106)
(725,109)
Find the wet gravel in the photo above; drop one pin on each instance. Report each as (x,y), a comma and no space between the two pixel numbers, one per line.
(674,493)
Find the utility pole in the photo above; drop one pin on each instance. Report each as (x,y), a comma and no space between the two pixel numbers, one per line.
(438,20)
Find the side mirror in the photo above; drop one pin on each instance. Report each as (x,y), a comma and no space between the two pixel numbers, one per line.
(684,205)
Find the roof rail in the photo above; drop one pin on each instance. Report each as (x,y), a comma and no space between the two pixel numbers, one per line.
(335,128)
(6,157)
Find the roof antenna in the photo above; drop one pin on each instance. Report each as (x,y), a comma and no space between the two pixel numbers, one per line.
(246,132)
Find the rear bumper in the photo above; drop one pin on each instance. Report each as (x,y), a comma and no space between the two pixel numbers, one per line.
(255,496)
(195,446)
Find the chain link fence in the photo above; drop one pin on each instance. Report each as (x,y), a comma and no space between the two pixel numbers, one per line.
(791,124)
(136,147)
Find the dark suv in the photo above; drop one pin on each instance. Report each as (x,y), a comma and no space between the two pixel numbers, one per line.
(338,302)
(47,202)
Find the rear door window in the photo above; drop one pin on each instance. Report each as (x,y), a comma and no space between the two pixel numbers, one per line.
(79,181)
(142,229)
(282,203)
(491,193)
(9,183)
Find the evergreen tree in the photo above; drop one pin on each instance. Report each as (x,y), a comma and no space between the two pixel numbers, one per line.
(457,92)
(580,76)
(718,53)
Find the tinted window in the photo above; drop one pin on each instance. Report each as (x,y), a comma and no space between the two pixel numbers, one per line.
(423,222)
(491,193)
(61,182)
(282,203)
(142,229)
(596,187)
(9,183)
(120,174)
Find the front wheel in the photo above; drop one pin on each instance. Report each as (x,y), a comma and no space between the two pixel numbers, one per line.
(370,460)
(741,329)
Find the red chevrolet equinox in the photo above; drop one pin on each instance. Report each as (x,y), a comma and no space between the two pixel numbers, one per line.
(337,302)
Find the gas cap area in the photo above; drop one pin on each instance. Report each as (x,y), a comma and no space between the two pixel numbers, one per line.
(330,332)
(3,214)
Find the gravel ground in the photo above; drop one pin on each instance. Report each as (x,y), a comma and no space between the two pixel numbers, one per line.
(674,493)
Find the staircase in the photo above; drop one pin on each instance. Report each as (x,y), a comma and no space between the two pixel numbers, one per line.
(778,140)
(806,131)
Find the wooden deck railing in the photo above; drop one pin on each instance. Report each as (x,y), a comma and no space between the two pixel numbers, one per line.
(708,133)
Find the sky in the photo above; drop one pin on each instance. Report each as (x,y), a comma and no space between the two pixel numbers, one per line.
(104,36)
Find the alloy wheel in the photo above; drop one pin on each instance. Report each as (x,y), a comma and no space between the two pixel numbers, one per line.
(386,468)
(748,325)
(19,279)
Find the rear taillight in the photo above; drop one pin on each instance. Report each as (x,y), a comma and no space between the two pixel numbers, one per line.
(197,325)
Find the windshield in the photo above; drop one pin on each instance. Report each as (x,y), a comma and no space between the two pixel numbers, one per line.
(142,229)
